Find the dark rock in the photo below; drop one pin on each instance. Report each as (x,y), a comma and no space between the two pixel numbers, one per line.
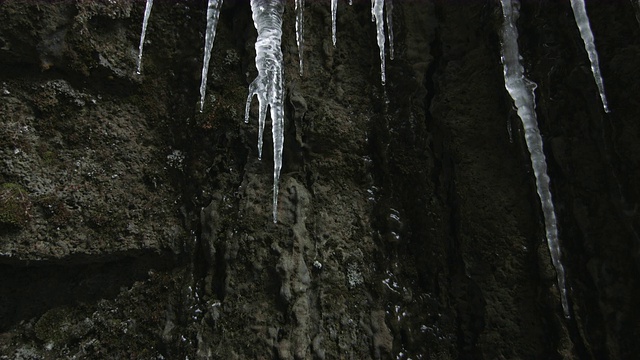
(133,226)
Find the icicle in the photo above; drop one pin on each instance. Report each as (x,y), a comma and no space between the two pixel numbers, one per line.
(388,8)
(334,15)
(582,20)
(373,12)
(521,90)
(213,12)
(300,30)
(636,7)
(268,85)
(377,11)
(145,21)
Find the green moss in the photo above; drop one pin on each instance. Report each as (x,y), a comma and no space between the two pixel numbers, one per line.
(54,210)
(62,326)
(49,158)
(15,205)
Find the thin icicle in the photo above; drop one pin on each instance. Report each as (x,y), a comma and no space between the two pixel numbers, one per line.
(268,85)
(373,12)
(378,12)
(213,13)
(521,90)
(334,15)
(388,8)
(300,30)
(582,20)
(145,21)
(636,8)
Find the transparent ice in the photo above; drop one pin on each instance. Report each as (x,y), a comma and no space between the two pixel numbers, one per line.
(213,13)
(521,91)
(334,15)
(268,85)
(300,30)
(582,20)
(145,21)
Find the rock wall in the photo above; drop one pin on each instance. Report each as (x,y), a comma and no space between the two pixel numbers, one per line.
(133,226)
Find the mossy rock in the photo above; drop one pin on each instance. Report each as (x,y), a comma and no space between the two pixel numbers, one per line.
(15,206)
(62,326)
(54,210)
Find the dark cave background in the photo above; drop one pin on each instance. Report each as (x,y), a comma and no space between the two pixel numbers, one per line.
(132,226)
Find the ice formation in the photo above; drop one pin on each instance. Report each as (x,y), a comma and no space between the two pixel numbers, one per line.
(268,86)
(377,12)
(388,8)
(300,30)
(636,7)
(378,9)
(521,91)
(334,15)
(145,21)
(582,20)
(213,13)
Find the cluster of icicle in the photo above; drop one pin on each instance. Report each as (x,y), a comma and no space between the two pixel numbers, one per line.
(269,88)
(521,91)
(378,9)
(268,85)
(213,11)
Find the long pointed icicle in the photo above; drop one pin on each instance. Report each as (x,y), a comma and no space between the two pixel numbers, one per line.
(268,86)
(582,20)
(145,21)
(388,8)
(213,13)
(300,31)
(521,91)
(334,16)
(378,12)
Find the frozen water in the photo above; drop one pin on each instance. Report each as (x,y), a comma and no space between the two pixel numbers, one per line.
(268,85)
(521,90)
(213,13)
(145,21)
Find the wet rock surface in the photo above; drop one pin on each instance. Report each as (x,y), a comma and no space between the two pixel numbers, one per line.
(132,226)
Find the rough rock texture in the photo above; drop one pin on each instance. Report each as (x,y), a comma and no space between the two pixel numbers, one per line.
(132,226)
